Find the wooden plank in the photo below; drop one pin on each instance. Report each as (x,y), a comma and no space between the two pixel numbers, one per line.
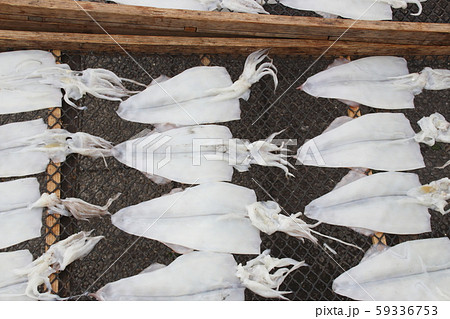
(53,177)
(10,22)
(120,19)
(185,45)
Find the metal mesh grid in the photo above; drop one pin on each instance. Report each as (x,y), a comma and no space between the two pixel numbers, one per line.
(434,11)
(121,255)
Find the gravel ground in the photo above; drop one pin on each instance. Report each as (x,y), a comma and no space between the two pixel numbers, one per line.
(302,117)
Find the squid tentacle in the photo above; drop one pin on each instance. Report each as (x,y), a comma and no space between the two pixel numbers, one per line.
(75,207)
(261,153)
(251,74)
(256,276)
(56,258)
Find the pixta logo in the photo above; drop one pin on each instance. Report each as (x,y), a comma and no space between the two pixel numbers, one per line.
(309,154)
(149,153)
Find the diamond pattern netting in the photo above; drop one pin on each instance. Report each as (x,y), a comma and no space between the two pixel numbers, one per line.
(302,116)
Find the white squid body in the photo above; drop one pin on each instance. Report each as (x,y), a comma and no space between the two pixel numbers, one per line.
(381,82)
(27,147)
(376,203)
(381,141)
(199,95)
(209,217)
(12,284)
(203,276)
(18,222)
(353,9)
(194,276)
(247,6)
(197,154)
(219,217)
(414,270)
(19,93)
(32,80)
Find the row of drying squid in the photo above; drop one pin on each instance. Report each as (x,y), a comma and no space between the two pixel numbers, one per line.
(352,9)
(209,222)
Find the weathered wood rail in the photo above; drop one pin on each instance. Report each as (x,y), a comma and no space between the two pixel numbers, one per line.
(156,30)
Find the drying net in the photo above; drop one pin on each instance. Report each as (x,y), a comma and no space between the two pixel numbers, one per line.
(300,115)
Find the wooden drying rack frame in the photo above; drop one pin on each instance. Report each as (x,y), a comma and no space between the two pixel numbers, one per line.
(82,26)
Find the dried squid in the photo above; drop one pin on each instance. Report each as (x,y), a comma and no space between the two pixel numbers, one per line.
(382,82)
(191,155)
(204,276)
(19,222)
(75,207)
(21,207)
(197,154)
(413,270)
(219,217)
(32,80)
(55,259)
(381,141)
(353,9)
(13,284)
(27,147)
(247,6)
(391,202)
(199,95)
(20,276)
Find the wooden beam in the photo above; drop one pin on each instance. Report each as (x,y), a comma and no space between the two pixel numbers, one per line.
(186,45)
(53,179)
(77,17)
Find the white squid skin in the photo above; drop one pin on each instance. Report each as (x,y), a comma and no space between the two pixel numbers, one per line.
(194,276)
(19,222)
(247,6)
(27,147)
(377,203)
(199,95)
(12,284)
(203,276)
(381,141)
(25,94)
(416,270)
(219,217)
(146,153)
(15,159)
(381,82)
(198,154)
(205,5)
(32,80)
(191,155)
(207,217)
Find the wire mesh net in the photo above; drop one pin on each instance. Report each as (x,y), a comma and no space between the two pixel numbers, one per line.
(302,117)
